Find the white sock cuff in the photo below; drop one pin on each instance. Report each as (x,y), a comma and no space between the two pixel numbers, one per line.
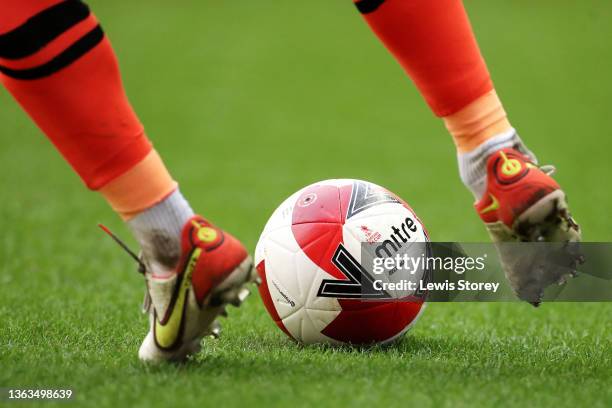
(158,229)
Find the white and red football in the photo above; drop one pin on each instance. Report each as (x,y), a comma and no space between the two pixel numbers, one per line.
(302,258)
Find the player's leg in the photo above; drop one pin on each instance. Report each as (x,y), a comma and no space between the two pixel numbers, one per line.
(434,43)
(58,64)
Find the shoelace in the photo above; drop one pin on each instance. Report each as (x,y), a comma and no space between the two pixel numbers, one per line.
(141,265)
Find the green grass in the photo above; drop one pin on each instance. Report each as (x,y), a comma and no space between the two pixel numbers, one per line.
(249,101)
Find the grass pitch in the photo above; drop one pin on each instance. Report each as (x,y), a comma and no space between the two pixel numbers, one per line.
(249,101)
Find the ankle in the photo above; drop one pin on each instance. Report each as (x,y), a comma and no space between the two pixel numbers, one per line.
(158,231)
(479,121)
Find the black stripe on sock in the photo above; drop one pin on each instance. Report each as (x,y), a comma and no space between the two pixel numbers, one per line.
(42,28)
(368,6)
(67,57)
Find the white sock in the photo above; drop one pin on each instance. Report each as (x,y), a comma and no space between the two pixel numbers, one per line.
(158,231)
(473,164)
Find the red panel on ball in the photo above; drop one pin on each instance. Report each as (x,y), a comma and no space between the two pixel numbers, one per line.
(317,226)
(264,292)
(374,323)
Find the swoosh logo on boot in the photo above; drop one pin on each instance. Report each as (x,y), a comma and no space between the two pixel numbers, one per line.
(491,207)
(166,334)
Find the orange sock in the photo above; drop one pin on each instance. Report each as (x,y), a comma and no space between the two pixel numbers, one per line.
(58,64)
(477,122)
(433,41)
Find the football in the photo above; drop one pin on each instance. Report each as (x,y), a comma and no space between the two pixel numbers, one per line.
(309,260)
